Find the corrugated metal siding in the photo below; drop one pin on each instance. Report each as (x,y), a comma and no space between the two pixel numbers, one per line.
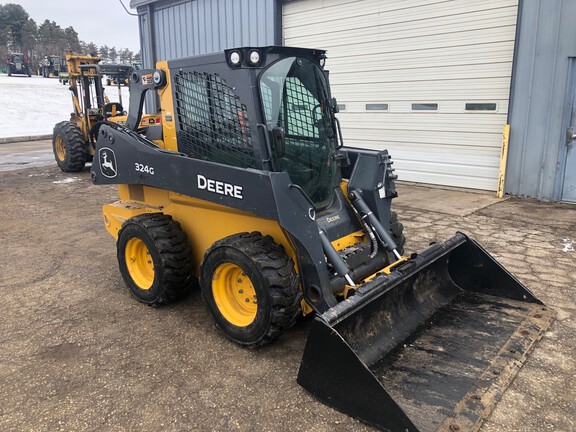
(547,40)
(447,52)
(187,28)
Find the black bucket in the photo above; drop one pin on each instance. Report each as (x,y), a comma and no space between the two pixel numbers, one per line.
(431,346)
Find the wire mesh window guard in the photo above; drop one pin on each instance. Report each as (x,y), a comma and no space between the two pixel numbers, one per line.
(212,122)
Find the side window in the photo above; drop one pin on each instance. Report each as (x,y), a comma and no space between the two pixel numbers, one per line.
(266,92)
(303,110)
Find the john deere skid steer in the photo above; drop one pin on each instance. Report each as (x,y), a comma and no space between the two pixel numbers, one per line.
(245,188)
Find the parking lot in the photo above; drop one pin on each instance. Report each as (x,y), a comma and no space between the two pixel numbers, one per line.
(77,352)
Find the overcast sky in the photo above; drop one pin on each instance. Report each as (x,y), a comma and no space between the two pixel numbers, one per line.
(104,22)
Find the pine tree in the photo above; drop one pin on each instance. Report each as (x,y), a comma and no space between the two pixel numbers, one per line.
(113,54)
(104,52)
(91,49)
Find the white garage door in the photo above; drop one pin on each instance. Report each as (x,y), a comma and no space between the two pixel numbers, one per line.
(427,79)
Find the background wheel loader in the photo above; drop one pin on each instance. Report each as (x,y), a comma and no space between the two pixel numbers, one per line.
(247,190)
(72,140)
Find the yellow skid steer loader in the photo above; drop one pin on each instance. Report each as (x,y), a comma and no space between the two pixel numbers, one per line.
(246,188)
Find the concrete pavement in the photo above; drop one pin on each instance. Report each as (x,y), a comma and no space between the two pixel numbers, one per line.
(18,154)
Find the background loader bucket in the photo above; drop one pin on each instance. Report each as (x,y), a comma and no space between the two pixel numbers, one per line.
(432,346)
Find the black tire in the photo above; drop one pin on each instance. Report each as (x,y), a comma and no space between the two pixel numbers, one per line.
(69,147)
(155,258)
(397,232)
(262,267)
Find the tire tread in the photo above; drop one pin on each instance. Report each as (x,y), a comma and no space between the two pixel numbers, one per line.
(175,253)
(276,268)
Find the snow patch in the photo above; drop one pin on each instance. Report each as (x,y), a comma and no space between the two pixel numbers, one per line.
(568,245)
(32,106)
(66,180)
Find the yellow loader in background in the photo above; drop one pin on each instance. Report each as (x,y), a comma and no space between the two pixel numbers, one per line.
(73,140)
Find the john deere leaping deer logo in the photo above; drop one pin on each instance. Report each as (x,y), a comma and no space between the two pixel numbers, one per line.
(107,160)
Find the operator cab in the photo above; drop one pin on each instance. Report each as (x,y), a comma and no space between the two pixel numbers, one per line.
(296,103)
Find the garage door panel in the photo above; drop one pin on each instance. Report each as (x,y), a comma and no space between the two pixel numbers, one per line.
(444,168)
(454,108)
(427,122)
(486,70)
(444,171)
(483,88)
(382,12)
(408,152)
(447,53)
(356,29)
(446,179)
(418,42)
(460,169)
(413,59)
(375,137)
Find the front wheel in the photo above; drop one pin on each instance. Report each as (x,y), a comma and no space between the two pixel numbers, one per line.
(250,288)
(397,233)
(69,146)
(155,258)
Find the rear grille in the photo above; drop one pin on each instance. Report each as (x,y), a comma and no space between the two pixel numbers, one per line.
(212,122)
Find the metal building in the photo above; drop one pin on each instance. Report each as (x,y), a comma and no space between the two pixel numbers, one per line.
(434,81)
(542,157)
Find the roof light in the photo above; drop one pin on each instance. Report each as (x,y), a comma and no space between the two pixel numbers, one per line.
(254,57)
(235,58)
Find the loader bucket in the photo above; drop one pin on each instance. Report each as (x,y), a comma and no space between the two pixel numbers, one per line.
(430,347)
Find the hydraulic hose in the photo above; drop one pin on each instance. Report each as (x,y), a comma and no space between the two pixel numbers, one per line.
(362,208)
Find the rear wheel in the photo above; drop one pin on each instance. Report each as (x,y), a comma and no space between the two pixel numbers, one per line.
(250,288)
(69,146)
(155,258)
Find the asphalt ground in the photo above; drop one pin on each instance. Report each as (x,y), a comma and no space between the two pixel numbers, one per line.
(78,353)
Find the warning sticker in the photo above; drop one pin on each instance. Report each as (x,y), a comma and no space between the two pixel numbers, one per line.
(147,79)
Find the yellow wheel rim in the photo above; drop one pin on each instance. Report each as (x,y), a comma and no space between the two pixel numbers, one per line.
(60,147)
(234,295)
(139,263)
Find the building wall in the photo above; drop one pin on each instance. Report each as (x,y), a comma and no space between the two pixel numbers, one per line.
(547,38)
(175,29)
